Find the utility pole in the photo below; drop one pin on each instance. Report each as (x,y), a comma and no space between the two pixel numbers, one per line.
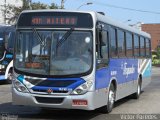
(62,4)
(29,4)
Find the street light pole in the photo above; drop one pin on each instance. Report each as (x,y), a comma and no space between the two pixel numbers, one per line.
(89,3)
(62,4)
(29,4)
(5,12)
(127,21)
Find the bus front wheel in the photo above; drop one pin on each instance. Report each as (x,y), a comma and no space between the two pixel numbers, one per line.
(111,99)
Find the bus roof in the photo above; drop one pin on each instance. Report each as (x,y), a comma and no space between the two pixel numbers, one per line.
(113,22)
(98,17)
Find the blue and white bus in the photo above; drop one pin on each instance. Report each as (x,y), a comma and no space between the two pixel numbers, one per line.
(78,60)
(7,36)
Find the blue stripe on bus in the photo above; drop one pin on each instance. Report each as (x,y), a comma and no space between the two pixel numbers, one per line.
(2,77)
(123,70)
(147,72)
(102,78)
(20,78)
(78,82)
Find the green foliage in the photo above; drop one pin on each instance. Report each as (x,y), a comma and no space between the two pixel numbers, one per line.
(53,6)
(158,52)
(155,60)
(25,4)
(38,5)
(156,57)
(12,12)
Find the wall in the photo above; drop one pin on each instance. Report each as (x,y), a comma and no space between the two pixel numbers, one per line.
(154,31)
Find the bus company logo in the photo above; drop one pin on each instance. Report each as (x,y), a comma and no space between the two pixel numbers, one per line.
(127,71)
(49,91)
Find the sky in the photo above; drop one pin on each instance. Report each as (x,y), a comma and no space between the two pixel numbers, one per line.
(123,15)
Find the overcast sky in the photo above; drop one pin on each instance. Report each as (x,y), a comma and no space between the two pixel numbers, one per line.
(151,8)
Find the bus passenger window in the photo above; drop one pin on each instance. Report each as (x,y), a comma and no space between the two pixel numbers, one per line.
(142,47)
(136,46)
(121,43)
(129,45)
(113,43)
(1,47)
(103,43)
(147,47)
(9,41)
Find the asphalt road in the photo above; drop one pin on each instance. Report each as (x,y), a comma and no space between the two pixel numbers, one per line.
(127,108)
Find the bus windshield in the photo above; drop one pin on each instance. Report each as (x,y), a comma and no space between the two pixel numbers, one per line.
(57,52)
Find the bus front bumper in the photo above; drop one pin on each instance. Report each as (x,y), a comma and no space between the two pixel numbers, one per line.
(88,101)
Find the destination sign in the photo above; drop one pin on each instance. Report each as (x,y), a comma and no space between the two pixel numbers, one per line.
(53,20)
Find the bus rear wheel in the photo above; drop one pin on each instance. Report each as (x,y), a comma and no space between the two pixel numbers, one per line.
(111,99)
(138,92)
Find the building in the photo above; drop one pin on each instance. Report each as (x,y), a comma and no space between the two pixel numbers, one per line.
(2,7)
(154,31)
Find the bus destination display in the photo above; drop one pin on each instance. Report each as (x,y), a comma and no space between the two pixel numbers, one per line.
(53,20)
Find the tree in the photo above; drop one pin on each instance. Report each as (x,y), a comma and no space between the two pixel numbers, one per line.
(12,12)
(53,6)
(158,52)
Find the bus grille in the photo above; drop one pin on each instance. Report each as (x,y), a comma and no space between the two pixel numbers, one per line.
(56,83)
(45,91)
(49,100)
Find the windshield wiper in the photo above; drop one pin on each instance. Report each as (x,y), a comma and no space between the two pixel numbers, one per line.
(64,37)
(38,36)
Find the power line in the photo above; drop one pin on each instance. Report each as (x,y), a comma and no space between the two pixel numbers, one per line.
(125,8)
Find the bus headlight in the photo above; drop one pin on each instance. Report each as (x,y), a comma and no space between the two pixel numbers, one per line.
(19,86)
(82,89)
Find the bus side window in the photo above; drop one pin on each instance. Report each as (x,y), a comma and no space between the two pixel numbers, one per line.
(121,43)
(1,47)
(6,41)
(9,41)
(142,47)
(147,48)
(129,45)
(113,45)
(103,44)
(102,60)
(136,46)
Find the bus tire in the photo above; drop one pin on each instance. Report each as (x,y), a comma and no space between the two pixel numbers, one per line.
(138,92)
(111,99)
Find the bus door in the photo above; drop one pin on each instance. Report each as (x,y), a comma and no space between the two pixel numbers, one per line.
(102,56)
